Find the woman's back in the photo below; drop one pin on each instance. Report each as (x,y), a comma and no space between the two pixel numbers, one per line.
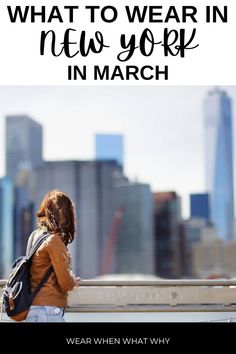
(52,252)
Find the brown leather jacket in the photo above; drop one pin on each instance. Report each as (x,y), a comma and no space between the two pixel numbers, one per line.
(52,252)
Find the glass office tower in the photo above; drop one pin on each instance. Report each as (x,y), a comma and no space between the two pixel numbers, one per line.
(199,205)
(219,162)
(110,147)
(24,141)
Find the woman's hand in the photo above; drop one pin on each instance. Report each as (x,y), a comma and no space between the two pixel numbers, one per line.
(77,281)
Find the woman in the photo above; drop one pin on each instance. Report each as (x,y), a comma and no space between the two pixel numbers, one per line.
(56,217)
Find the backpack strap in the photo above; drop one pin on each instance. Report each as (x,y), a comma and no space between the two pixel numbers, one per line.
(42,282)
(33,248)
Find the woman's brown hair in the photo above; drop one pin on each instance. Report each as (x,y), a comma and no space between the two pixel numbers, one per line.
(56,213)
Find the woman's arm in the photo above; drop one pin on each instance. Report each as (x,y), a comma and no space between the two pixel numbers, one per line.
(60,261)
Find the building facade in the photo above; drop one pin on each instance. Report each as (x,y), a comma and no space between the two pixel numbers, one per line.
(167,212)
(208,255)
(219,162)
(199,206)
(191,234)
(24,139)
(134,241)
(6,226)
(23,219)
(110,147)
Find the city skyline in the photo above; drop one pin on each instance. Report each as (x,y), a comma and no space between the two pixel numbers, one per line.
(163,128)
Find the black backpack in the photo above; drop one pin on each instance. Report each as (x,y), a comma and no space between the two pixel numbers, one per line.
(17,297)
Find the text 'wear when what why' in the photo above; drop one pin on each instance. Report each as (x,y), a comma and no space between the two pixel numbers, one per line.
(115,341)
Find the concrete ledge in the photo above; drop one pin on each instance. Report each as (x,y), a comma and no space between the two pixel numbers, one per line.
(152,296)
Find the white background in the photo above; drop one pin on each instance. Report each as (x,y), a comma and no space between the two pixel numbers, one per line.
(212,63)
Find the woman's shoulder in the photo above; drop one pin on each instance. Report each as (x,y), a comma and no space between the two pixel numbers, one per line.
(52,241)
(55,239)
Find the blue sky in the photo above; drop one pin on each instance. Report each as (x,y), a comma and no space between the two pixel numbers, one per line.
(162,127)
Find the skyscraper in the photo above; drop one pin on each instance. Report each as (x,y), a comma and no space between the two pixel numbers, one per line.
(167,213)
(110,147)
(219,162)
(191,234)
(199,205)
(6,226)
(134,242)
(23,219)
(23,143)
